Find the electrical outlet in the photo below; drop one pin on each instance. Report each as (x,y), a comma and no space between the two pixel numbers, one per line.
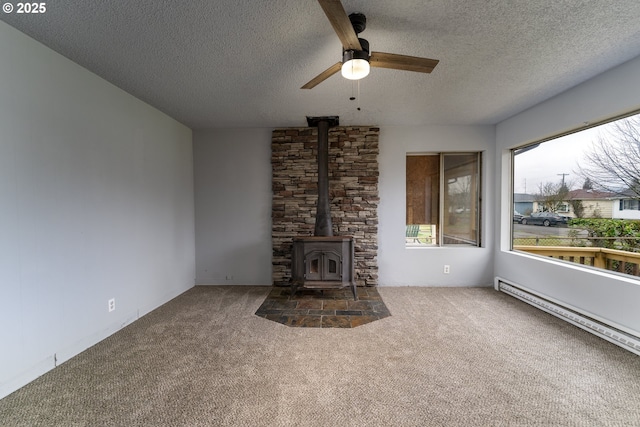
(111,304)
(229,277)
(446,269)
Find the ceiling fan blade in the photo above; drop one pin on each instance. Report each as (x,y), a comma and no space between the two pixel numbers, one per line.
(323,76)
(341,24)
(402,62)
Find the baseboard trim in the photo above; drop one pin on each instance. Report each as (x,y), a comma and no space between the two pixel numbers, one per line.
(598,327)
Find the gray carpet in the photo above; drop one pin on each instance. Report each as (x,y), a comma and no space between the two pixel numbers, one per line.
(446,356)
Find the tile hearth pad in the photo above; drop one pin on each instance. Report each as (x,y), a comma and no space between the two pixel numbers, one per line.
(310,308)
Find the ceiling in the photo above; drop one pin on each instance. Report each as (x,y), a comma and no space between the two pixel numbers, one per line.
(241,63)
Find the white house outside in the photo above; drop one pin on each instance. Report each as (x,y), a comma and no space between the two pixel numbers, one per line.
(596,204)
(626,208)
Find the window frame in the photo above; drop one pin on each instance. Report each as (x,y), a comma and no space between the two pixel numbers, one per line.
(442,192)
(533,144)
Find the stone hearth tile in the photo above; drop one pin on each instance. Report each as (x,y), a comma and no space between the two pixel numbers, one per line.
(380,308)
(334,305)
(304,294)
(283,305)
(279,293)
(322,312)
(369,294)
(311,308)
(295,312)
(304,321)
(314,304)
(266,312)
(336,322)
(362,320)
(337,294)
(359,305)
(348,313)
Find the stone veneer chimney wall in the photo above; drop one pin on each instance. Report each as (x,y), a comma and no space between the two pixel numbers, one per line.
(353,193)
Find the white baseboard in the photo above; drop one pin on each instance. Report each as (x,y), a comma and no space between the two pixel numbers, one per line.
(612,333)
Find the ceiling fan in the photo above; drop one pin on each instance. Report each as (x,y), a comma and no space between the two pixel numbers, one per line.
(356,59)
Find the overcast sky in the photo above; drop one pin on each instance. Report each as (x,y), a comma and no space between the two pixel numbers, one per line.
(550,159)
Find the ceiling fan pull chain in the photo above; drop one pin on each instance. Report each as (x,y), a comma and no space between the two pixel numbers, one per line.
(352,98)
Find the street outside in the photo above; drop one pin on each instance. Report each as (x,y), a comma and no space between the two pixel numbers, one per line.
(528,231)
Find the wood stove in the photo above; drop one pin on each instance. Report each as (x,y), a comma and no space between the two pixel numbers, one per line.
(320,262)
(323,261)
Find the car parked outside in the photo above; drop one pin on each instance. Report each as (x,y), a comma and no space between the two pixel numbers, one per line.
(517,216)
(544,218)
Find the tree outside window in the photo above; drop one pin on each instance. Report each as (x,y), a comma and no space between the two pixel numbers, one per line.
(598,221)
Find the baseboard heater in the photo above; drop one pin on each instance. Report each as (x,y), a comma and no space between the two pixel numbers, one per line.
(614,335)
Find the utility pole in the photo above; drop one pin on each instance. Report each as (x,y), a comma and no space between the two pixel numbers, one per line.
(563,175)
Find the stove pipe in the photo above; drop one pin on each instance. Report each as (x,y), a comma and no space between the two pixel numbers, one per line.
(323,211)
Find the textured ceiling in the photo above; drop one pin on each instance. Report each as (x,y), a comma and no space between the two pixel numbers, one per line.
(241,63)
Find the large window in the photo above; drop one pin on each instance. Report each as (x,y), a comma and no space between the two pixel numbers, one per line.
(443,199)
(576,197)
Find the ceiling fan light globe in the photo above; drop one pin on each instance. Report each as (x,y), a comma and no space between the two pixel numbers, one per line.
(355,69)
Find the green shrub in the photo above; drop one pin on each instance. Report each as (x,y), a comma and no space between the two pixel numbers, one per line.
(621,234)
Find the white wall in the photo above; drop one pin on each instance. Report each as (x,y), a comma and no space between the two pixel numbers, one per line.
(402,266)
(605,296)
(96,202)
(233,206)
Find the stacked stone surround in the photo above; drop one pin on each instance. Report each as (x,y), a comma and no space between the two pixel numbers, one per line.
(353,193)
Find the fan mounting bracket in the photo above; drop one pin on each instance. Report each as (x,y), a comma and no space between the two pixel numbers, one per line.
(359,22)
